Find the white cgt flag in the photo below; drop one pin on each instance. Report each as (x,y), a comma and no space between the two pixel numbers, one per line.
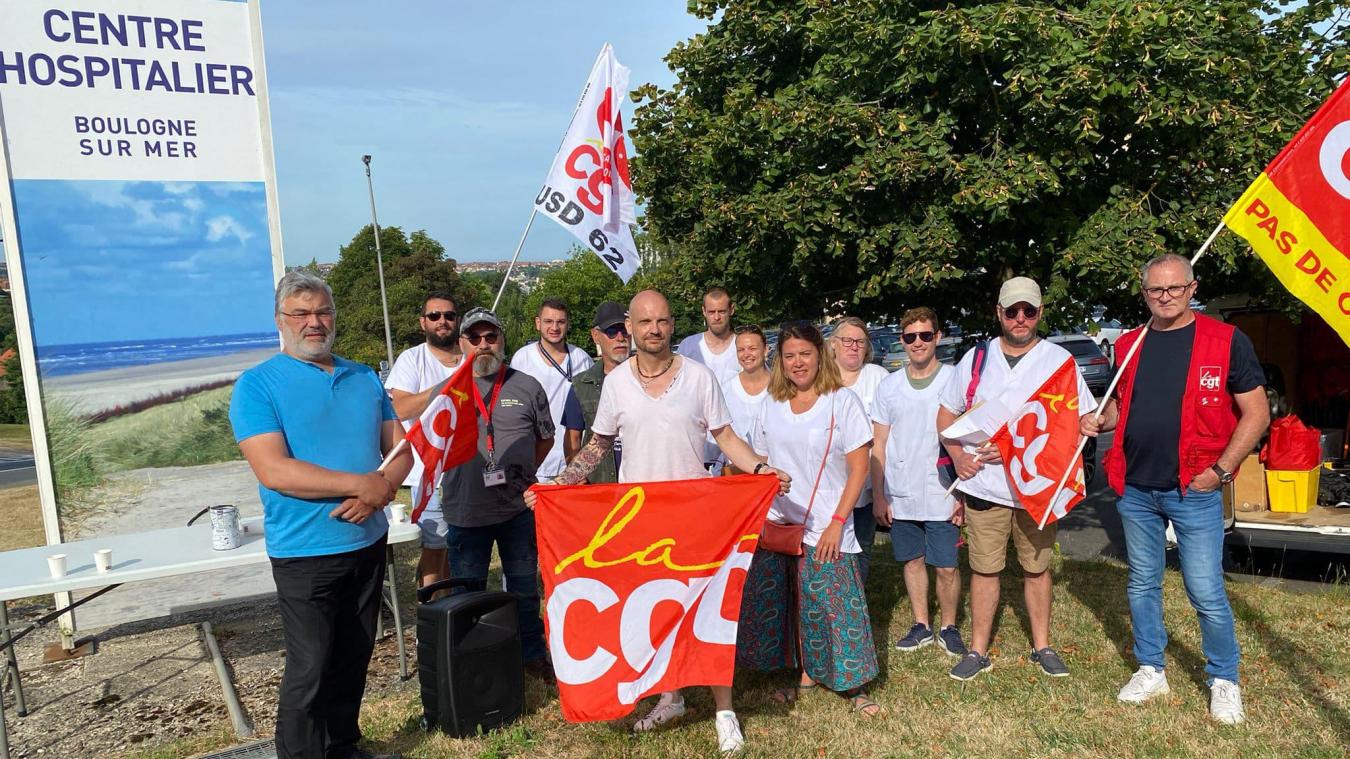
(588,190)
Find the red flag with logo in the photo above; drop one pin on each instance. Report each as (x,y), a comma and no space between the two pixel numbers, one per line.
(446,435)
(643,584)
(1039,444)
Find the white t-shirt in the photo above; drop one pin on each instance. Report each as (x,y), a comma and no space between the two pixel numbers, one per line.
(662,437)
(870,377)
(913,487)
(415,370)
(743,408)
(795,443)
(556,381)
(723,365)
(998,380)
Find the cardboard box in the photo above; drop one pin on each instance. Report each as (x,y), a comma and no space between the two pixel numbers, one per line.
(1247,492)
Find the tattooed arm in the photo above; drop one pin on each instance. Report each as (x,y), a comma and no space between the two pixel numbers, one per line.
(581,465)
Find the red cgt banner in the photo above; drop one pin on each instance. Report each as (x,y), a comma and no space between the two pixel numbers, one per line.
(642,585)
(1038,444)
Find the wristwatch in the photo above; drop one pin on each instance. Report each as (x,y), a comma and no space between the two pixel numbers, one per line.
(1224,477)
(760,466)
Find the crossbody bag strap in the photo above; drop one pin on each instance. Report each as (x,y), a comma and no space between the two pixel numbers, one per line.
(829,441)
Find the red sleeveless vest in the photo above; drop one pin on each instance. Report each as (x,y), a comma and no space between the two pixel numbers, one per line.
(1208,412)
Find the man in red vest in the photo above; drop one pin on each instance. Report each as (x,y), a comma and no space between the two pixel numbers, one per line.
(1201,408)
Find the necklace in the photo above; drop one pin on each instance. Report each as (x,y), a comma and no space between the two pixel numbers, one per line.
(647,379)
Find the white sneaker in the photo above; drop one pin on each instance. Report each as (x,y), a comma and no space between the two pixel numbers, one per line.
(1225,702)
(1144,684)
(667,709)
(729,737)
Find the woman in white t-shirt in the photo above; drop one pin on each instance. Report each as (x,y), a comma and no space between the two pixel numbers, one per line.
(851,345)
(817,431)
(745,393)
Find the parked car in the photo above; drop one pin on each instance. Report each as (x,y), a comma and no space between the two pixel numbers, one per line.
(1104,332)
(1096,370)
(948,352)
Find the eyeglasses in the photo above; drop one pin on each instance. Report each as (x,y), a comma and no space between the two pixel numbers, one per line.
(1030,312)
(614,330)
(1173,291)
(435,316)
(324,314)
(852,342)
(490,337)
(910,337)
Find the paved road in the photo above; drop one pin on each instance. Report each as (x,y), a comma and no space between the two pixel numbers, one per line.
(16,468)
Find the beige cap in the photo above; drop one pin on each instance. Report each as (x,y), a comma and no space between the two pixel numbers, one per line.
(1019,290)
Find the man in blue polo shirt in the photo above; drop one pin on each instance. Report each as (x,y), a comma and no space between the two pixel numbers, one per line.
(314,428)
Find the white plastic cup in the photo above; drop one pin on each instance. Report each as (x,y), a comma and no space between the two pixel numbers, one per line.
(56,564)
(397,512)
(103,559)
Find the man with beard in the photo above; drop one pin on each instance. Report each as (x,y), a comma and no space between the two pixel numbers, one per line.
(418,376)
(482,497)
(314,428)
(554,363)
(664,407)
(1008,368)
(610,334)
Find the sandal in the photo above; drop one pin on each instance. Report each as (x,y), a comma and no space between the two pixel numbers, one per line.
(864,705)
(789,696)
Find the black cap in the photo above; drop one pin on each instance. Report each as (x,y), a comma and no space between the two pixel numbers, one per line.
(608,314)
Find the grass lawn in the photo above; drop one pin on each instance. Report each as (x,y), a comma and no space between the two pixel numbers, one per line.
(20,518)
(16,436)
(1296,670)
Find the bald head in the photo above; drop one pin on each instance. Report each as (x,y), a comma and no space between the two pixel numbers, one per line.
(650,323)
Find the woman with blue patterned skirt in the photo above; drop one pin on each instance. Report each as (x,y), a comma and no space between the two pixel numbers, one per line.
(810,612)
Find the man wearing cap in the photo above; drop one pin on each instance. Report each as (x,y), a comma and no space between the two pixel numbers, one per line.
(482,497)
(610,334)
(1008,368)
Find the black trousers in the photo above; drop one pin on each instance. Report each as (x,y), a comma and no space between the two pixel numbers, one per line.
(329,609)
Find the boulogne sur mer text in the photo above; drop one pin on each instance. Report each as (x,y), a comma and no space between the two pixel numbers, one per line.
(163,136)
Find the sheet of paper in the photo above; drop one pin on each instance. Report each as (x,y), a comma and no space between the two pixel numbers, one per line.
(979,423)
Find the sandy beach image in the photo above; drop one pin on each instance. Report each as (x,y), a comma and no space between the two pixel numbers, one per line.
(93,392)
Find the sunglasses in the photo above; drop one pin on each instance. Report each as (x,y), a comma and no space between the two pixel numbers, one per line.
(910,337)
(435,316)
(1030,312)
(490,337)
(614,330)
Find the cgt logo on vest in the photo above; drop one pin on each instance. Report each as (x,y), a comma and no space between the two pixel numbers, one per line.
(1210,380)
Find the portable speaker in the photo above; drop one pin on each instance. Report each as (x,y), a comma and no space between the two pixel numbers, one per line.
(468,660)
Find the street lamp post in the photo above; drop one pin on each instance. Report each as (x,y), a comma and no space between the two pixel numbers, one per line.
(379,266)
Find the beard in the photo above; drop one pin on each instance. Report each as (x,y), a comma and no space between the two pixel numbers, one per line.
(305,350)
(450,341)
(1018,342)
(487,364)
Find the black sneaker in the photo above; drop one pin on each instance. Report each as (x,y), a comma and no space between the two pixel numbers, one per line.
(1050,662)
(970,665)
(918,636)
(950,640)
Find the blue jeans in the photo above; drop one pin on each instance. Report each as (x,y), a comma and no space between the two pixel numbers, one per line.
(1197,519)
(471,552)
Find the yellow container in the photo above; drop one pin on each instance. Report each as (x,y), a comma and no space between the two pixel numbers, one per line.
(1292,491)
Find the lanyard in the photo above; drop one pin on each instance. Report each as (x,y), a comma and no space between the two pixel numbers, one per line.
(486,410)
(566,373)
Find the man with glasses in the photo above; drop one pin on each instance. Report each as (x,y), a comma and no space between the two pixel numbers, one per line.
(554,362)
(1203,410)
(482,497)
(910,475)
(314,428)
(610,334)
(1009,369)
(417,377)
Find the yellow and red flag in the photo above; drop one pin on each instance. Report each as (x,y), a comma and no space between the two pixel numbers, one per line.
(643,585)
(446,435)
(1039,444)
(1296,215)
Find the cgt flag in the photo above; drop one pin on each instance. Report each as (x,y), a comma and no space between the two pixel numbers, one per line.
(588,190)
(1296,215)
(446,435)
(1040,442)
(643,594)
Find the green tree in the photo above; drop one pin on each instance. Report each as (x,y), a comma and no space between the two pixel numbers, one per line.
(818,156)
(413,266)
(13,403)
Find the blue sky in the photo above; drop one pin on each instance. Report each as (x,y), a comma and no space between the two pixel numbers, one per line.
(111,260)
(462,106)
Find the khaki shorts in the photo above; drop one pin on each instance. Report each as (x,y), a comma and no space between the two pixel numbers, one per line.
(988,532)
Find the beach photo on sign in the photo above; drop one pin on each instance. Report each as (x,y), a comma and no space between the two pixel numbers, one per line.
(147,300)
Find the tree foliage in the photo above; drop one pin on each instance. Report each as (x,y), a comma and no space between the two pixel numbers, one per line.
(414,265)
(873,155)
(13,402)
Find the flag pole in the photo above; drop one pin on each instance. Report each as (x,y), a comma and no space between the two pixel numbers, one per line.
(1120,371)
(516,255)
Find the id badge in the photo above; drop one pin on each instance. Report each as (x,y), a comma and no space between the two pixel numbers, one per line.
(493,477)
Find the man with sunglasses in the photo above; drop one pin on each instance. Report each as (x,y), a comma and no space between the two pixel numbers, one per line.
(482,497)
(610,333)
(417,377)
(1201,409)
(1010,368)
(554,362)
